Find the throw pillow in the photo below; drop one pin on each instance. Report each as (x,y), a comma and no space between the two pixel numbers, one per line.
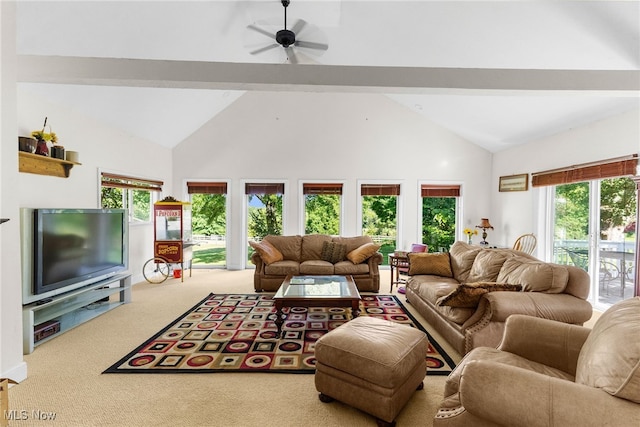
(362,253)
(467,295)
(267,251)
(436,263)
(534,276)
(333,252)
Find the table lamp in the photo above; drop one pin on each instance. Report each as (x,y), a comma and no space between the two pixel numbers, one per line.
(484,226)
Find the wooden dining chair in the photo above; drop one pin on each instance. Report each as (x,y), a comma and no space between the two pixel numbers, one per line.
(526,243)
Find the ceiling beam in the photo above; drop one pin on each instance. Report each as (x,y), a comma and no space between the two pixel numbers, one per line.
(320,78)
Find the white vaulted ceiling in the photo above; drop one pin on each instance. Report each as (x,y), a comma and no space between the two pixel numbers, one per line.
(478,68)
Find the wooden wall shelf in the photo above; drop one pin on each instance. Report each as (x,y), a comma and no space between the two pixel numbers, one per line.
(43,165)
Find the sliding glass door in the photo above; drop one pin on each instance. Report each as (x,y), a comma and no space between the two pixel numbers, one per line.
(616,240)
(264,203)
(379,215)
(209,223)
(595,229)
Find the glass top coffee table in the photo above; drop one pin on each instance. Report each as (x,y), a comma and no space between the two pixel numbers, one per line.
(316,291)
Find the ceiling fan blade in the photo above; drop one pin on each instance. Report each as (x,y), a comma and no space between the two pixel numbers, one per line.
(261,31)
(312,45)
(264,49)
(291,54)
(298,26)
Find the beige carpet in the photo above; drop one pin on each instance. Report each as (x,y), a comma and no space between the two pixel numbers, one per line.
(65,374)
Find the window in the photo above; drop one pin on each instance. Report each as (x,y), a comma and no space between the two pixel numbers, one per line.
(322,208)
(264,211)
(439,207)
(380,214)
(125,192)
(209,223)
(594,224)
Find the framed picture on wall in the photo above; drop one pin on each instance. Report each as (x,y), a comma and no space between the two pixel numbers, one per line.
(514,182)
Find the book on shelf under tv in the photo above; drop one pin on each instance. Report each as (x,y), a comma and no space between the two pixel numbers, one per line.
(66,249)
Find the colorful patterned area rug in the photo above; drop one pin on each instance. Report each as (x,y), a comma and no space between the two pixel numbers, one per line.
(236,333)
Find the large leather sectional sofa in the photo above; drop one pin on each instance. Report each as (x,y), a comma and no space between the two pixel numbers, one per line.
(303,255)
(454,292)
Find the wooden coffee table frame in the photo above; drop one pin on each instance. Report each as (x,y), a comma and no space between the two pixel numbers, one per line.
(352,301)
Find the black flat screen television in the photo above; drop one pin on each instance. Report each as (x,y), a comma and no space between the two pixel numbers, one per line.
(77,247)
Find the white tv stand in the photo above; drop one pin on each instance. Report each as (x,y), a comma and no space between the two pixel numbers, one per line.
(75,307)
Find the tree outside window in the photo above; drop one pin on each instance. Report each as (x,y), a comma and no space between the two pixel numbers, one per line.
(439,205)
(134,194)
(209,222)
(438,222)
(380,214)
(322,208)
(264,211)
(265,215)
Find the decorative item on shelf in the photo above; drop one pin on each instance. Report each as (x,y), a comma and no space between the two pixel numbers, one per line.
(57,151)
(27,144)
(72,156)
(45,139)
(484,226)
(42,148)
(470,232)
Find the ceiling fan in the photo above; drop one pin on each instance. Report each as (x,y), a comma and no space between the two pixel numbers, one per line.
(290,39)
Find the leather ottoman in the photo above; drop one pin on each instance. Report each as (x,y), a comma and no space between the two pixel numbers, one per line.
(371,364)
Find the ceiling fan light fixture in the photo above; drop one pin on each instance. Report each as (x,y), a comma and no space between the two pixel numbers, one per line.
(285,37)
(288,38)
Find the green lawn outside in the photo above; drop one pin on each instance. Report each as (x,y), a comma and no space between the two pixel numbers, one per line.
(209,254)
(385,250)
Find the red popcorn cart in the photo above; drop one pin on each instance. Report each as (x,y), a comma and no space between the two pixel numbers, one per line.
(173,245)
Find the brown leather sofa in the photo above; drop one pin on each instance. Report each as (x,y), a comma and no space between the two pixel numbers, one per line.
(548,373)
(550,291)
(303,255)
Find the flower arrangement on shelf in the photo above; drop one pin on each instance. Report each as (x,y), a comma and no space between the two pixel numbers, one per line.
(470,232)
(44,138)
(41,135)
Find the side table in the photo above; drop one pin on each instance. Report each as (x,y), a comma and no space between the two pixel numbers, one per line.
(395,263)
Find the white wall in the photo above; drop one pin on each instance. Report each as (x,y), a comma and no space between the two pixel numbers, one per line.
(100,148)
(346,137)
(516,213)
(11,361)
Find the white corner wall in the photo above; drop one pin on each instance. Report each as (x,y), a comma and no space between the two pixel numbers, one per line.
(293,136)
(12,364)
(516,213)
(100,148)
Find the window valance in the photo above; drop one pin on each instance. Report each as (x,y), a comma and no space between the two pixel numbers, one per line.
(432,190)
(276,188)
(123,181)
(380,189)
(326,189)
(207,187)
(611,168)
